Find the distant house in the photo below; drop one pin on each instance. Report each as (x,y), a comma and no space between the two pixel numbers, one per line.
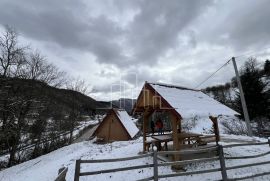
(117,125)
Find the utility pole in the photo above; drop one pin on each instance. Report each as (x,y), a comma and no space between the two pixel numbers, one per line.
(243,101)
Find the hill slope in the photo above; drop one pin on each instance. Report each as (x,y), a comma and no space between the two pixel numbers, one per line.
(51,95)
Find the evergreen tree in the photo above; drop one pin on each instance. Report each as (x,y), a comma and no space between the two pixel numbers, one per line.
(267,80)
(267,68)
(255,92)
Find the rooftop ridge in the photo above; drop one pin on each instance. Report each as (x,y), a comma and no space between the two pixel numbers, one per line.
(117,110)
(172,86)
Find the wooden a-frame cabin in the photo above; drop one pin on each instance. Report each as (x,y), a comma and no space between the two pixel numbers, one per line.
(179,103)
(117,125)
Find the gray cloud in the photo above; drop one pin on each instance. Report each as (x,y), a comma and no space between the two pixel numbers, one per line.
(240,25)
(155,29)
(250,26)
(66,24)
(146,40)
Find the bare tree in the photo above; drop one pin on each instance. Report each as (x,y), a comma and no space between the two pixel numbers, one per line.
(75,85)
(18,96)
(37,68)
(24,80)
(11,54)
(52,76)
(78,85)
(18,101)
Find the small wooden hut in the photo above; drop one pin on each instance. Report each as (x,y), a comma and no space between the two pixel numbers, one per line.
(179,103)
(117,125)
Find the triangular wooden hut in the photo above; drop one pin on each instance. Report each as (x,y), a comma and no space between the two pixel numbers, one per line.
(117,125)
(179,103)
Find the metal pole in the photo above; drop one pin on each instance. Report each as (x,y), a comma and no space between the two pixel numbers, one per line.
(243,101)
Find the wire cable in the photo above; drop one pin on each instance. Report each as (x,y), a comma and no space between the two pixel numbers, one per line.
(227,62)
(242,55)
(252,53)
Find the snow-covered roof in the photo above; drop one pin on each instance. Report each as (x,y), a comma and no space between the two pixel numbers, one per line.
(127,122)
(190,102)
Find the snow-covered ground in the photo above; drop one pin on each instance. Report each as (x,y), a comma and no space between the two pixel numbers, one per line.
(85,124)
(203,125)
(45,168)
(82,125)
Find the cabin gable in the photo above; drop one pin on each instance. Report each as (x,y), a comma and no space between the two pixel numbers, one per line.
(111,129)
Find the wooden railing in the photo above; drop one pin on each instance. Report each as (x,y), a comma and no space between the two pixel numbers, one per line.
(219,150)
(78,173)
(226,178)
(62,174)
(185,162)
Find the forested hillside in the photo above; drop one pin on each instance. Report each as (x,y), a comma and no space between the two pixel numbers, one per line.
(37,101)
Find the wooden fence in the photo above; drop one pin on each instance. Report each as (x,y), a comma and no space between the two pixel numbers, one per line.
(219,150)
(62,174)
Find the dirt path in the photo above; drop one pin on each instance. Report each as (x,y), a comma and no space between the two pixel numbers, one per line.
(86,135)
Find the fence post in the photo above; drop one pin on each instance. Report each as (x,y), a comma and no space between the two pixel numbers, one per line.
(222,163)
(62,172)
(77,170)
(59,171)
(155,162)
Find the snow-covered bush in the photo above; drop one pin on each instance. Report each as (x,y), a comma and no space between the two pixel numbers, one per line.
(197,124)
(232,125)
(188,124)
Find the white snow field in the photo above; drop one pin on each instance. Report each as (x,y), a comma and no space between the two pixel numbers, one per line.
(45,168)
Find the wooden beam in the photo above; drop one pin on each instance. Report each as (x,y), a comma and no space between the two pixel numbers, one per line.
(146,116)
(215,126)
(176,142)
(176,145)
(150,107)
(180,126)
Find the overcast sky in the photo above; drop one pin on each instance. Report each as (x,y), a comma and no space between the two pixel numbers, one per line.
(127,42)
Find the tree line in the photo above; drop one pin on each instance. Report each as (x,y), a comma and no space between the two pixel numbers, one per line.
(32,104)
(255,79)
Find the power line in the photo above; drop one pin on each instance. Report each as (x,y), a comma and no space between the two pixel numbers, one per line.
(242,55)
(252,53)
(227,62)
